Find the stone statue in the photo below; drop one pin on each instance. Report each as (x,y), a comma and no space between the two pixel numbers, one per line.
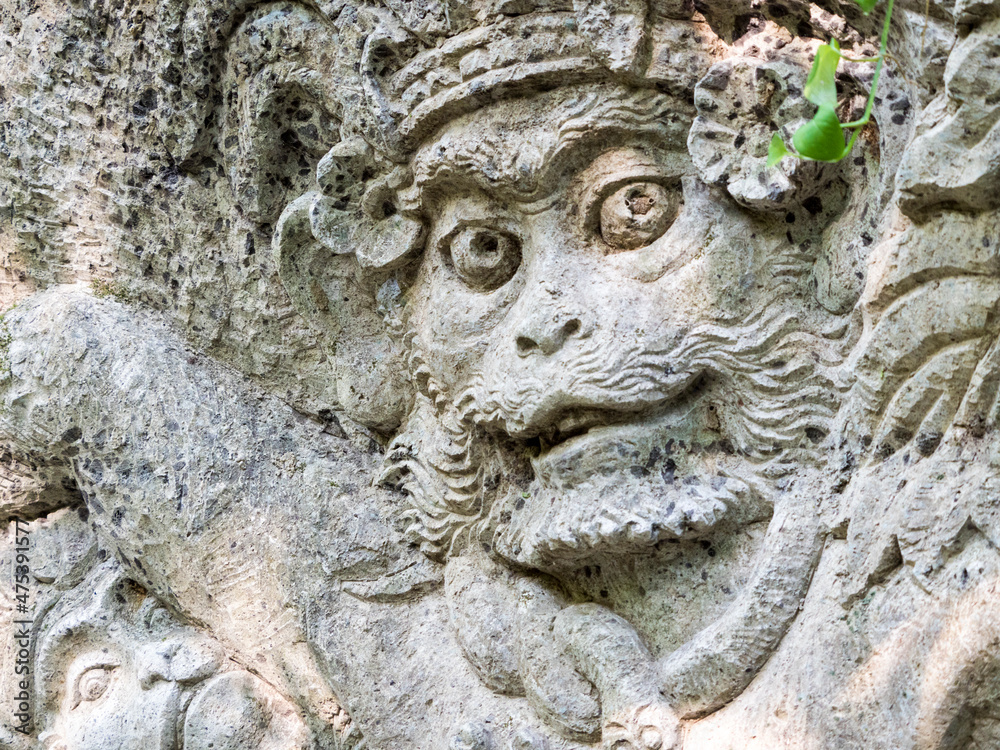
(555,418)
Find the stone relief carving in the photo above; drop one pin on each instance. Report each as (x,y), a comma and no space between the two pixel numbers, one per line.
(159,680)
(551,419)
(114,668)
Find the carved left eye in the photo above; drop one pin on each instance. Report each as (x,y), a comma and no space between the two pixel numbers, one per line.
(485,259)
(92,684)
(639,213)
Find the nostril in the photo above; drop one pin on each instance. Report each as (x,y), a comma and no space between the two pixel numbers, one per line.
(525,345)
(572,327)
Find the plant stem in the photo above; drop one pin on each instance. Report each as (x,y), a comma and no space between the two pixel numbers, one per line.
(860,59)
(878,71)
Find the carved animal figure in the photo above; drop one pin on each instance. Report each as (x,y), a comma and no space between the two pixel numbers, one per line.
(598,413)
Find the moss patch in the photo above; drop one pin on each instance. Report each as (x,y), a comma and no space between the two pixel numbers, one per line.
(103,289)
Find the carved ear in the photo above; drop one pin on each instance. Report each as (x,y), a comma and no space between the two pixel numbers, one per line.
(336,266)
(241,70)
(279,107)
(337,247)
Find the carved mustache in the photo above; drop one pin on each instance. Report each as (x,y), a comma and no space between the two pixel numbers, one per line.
(784,387)
(600,377)
(782,379)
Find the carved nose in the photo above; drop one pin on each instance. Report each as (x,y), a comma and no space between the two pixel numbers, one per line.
(546,339)
(186,660)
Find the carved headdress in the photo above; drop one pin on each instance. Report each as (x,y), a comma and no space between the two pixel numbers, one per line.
(380,78)
(418,72)
(491,49)
(415,73)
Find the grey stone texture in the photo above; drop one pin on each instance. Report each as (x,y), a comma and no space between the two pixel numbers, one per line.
(455,375)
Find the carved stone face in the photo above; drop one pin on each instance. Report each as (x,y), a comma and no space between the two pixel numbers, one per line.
(130,675)
(539,244)
(119,690)
(572,260)
(582,292)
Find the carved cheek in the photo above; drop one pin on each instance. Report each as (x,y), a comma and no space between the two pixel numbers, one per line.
(465,317)
(455,326)
(630,313)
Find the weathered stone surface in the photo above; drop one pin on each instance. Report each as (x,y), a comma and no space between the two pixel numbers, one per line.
(455,375)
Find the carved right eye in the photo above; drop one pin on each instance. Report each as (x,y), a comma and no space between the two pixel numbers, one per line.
(485,259)
(92,684)
(638,214)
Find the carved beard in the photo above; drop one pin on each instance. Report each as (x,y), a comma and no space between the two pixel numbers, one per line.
(469,482)
(652,495)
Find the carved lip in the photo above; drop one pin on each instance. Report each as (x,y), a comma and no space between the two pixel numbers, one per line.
(604,438)
(579,425)
(572,425)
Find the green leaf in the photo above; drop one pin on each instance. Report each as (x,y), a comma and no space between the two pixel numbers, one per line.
(821,86)
(777,150)
(867,5)
(822,138)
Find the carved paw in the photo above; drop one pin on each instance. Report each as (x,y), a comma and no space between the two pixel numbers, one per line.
(482,604)
(652,726)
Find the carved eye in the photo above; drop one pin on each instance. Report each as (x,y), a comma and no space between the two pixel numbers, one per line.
(92,684)
(485,259)
(639,213)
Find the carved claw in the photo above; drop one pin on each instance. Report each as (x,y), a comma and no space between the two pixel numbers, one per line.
(610,654)
(652,726)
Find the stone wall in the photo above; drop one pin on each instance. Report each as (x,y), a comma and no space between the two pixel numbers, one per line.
(426,374)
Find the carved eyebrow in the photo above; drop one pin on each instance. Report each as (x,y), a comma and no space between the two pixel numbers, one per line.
(521,180)
(521,176)
(530,171)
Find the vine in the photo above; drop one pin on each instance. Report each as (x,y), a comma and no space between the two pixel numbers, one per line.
(822,138)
